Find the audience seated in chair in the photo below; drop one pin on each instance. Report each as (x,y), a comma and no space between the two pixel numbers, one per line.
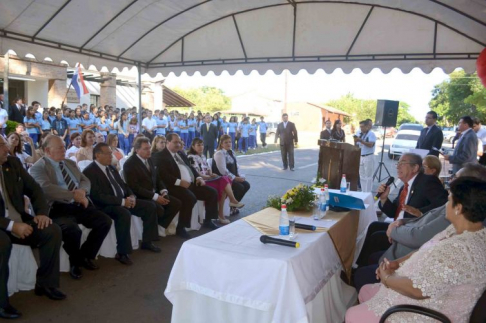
(447,274)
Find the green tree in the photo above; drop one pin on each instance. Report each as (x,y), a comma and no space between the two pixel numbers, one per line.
(206,98)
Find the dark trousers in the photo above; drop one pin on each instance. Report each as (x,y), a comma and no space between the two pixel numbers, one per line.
(48,240)
(263,139)
(240,189)
(149,135)
(208,148)
(190,196)
(165,213)
(68,216)
(123,219)
(376,240)
(364,276)
(287,151)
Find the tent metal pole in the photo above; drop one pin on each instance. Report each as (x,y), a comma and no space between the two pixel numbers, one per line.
(139,82)
(6,101)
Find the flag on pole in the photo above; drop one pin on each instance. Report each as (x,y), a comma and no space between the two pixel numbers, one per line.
(78,82)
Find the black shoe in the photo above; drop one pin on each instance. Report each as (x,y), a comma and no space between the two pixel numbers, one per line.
(90,264)
(50,292)
(75,272)
(124,259)
(181,232)
(11,310)
(150,246)
(211,224)
(5,313)
(292,169)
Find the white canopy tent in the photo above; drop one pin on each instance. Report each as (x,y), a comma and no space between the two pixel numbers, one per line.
(194,35)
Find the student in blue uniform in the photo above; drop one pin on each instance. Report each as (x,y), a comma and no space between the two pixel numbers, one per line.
(262,126)
(103,126)
(191,123)
(244,129)
(31,124)
(252,137)
(232,125)
(184,128)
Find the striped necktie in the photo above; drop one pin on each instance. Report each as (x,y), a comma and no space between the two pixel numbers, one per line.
(67,178)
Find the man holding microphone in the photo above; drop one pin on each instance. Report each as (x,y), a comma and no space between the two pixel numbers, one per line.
(366,141)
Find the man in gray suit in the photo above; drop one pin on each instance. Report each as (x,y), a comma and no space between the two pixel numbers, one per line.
(209,133)
(407,235)
(67,193)
(466,148)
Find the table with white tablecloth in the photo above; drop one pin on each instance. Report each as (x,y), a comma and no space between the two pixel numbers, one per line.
(228,275)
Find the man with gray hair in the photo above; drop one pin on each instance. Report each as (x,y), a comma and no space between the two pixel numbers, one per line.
(410,234)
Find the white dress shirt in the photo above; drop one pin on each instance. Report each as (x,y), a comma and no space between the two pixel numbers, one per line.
(162,192)
(103,169)
(185,175)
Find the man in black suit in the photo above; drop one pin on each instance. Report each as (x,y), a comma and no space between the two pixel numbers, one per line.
(18,227)
(17,111)
(419,194)
(111,195)
(209,133)
(67,193)
(142,177)
(326,133)
(184,182)
(431,137)
(287,133)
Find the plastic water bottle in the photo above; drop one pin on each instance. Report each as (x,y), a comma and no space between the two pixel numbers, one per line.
(322,204)
(284,226)
(343,184)
(323,210)
(291,226)
(326,190)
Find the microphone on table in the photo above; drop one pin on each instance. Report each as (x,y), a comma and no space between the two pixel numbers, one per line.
(305,226)
(388,183)
(266,239)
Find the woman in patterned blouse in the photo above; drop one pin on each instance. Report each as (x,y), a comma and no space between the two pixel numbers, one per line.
(447,274)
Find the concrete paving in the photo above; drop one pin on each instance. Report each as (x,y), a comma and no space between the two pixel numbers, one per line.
(117,293)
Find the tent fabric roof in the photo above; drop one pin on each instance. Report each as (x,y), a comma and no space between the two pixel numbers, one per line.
(230,35)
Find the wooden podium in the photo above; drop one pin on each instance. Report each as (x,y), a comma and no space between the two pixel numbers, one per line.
(336,159)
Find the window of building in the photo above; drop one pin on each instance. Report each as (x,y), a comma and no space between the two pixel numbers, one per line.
(94,99)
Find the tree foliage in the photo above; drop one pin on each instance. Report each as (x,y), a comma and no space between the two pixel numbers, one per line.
(366,109)
(206,98)
(463,94)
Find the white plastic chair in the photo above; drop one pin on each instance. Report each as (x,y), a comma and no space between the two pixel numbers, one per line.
(83,164)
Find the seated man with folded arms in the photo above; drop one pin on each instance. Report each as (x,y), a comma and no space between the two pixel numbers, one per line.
(142,177)
(407,235)
(67,193)
(111,195)
(419,194)
(18,227)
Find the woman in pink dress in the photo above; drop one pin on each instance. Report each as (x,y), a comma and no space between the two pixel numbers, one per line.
(221,183)
(447,274)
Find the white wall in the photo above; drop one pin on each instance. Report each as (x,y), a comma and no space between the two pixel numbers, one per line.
(37,91)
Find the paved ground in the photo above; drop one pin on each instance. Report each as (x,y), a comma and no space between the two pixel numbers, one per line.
(116,293)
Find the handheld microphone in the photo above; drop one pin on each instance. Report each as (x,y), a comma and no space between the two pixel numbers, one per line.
(266,239)
(388,183)
(305,226)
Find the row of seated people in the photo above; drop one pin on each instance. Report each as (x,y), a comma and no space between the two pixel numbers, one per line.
(63,197)
(434,252)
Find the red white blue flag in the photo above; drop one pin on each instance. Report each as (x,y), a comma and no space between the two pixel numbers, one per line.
(78,82)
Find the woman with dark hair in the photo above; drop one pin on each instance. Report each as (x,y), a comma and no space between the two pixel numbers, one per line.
(32,125)
(87,142)
(224,164)
(222,184)
(232,126)
(447,274)
(75,139)
(122,128)
(337,133)
(46,124)
(103,126)
(16,149)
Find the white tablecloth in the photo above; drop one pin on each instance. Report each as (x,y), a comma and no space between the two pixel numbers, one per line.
(231,265)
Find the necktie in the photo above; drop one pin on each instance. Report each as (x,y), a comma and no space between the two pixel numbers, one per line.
(207,126)
(401,200)
(181,162)
(67,178)
(147,165)
(118,190)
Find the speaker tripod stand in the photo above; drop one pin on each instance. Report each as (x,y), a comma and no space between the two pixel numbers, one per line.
(381,164)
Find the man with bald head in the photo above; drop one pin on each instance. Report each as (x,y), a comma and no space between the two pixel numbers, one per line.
(67,193)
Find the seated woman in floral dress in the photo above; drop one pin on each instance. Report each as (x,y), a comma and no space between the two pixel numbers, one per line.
(447,274)
(221,183)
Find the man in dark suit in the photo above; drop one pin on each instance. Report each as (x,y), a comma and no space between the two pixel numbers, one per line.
(209,133)
(17,111)
(419,194)
(184,182)
(142,177)
(466,148)
(67,192)
(326,133)
(431,137)
(112,196)
(287,133)
(18,227)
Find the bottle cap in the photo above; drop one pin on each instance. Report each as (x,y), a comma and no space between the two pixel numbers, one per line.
(322,189)
(284,206)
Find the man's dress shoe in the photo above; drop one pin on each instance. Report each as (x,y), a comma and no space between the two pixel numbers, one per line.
(50,292)
(124,259)
(150,246)
(75,272)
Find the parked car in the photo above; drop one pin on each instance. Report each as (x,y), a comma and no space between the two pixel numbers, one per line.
(411,126)
(403,142)
(449,134)
(271,131)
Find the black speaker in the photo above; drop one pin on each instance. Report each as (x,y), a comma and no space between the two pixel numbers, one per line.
(386,113)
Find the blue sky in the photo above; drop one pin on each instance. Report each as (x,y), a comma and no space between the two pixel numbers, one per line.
(414,88)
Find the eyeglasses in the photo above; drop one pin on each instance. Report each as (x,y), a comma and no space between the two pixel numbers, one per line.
(403,163)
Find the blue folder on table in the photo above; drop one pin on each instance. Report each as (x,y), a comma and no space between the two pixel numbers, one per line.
(345,201)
